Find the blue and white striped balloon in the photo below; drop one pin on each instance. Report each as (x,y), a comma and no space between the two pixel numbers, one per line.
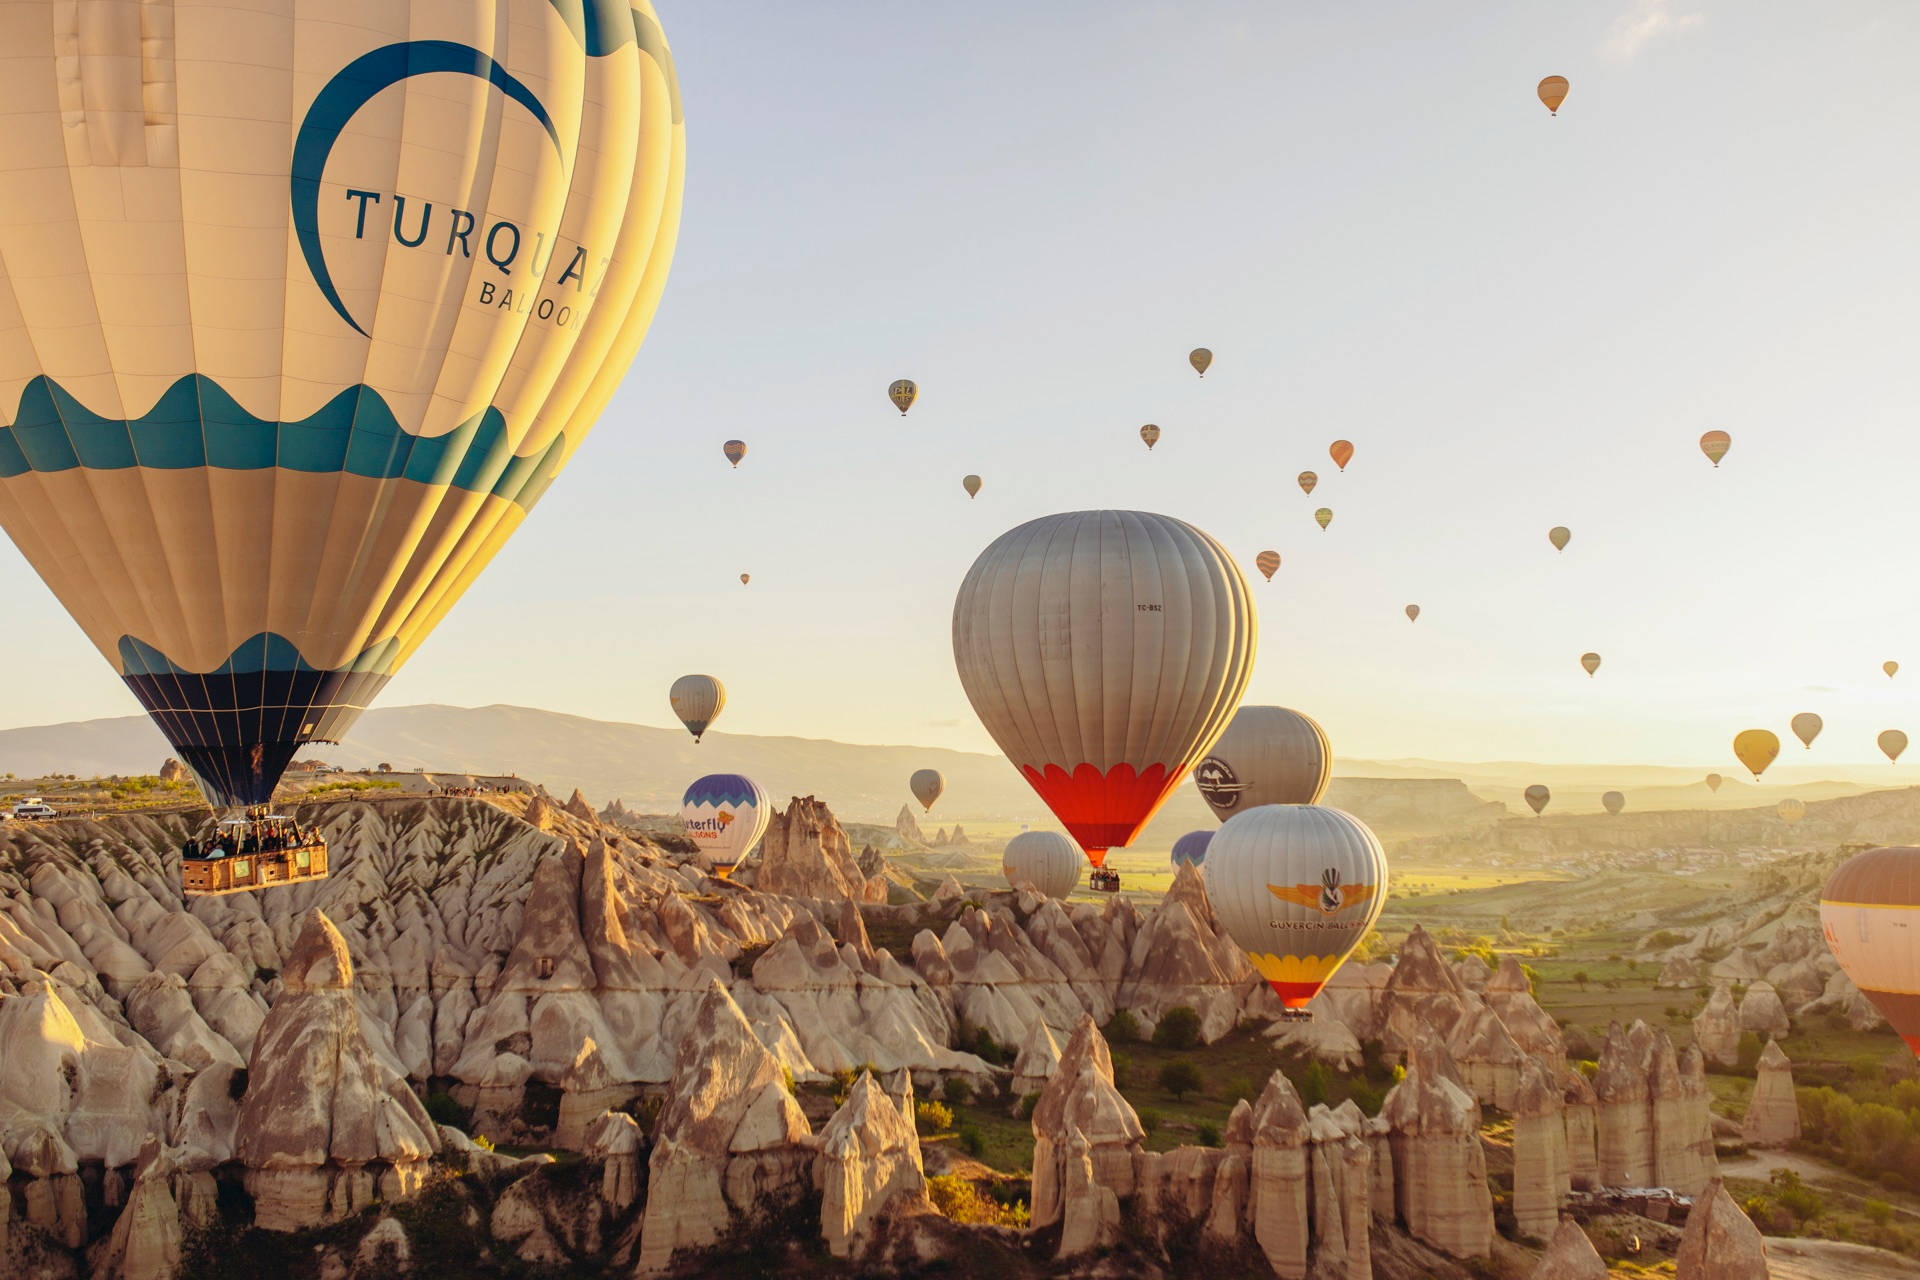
(725,814)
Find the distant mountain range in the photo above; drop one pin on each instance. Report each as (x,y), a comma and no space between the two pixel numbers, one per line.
(648,767)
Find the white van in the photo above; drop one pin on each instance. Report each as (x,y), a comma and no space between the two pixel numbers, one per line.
(34,807)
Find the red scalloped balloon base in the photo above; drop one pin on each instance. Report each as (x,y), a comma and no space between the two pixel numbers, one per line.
(1102,811)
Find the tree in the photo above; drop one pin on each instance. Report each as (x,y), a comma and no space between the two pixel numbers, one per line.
(1180,1077)
(1178,1028)
(1581,978)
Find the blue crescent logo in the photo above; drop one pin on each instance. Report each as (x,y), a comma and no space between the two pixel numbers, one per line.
(334,107)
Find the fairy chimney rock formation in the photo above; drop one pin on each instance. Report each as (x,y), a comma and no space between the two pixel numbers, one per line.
(1039,1058)
(907,827)
(806,854)
(1720,1242)
(172,770)
(539,813)
(1570,1256)
(1439,1167)
(577,806)
(1279,1184)
(1773,1116)
(868,1171)
(1678,974)
(1541,1178)
(1716,1028)
(1761,1011)
(1081,1099)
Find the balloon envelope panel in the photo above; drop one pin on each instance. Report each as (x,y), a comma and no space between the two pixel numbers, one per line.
(303,308)
(1297,887)
(1870,914)
(725,814)
(1268,755)
(1046,860)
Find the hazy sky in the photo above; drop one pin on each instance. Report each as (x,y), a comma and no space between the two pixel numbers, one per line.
(1035,210)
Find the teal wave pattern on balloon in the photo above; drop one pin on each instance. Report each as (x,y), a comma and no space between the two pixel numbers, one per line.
(266,651)
(195,423)
(605,26)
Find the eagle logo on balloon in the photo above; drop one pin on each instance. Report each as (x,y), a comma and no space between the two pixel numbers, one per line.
(1327,897)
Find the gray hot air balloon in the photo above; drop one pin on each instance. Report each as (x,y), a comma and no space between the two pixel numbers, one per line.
(697,701)
(1893,742)
(972,485)
(1806,727)
(1613,802)
(1268,755)
(1046,860)
(1537,797)
(926,785)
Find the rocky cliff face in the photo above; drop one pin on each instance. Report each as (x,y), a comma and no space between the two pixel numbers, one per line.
(806,854)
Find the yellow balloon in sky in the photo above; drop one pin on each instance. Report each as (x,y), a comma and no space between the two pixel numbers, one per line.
(1200,358)
(1325,516)
(1559,536)
(1791,811)
(1756,749)
(1715,445)
(1890,668)
(1553,92)
(903,393)
(1893,742)
(1307,481)
(1591,661)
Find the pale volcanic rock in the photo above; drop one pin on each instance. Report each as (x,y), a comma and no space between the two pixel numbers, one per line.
(947,893)
(1340,1170)
(615,1140)
(1421,990)
(1324,1039)
(538,813)
(1842,997)
(577,806)
(1179,957)
(320,1108)
(1716,1028)
(172,770)
(1739,966)
(1624,1116)
(1678,974)
(729,1143)
(161,1010)
(1581,1110)
(1037,1061)
(617,814)
(1352,996)
(1682,1105)
(1089,1210)
(1440,1169)
(70,1090)
(1570,1256)
(806,854)
(1720,1242)
(994,977)
(1081,1098)
(1473,973)
(1773,1116)
(1798,982)
(1280,1178)
(1762,1013)
(146,1240)
(1541,1179)
(868,1170)
(1231,1203)
(1056,936)
(1488,1056)
(907,827)
(1510,995)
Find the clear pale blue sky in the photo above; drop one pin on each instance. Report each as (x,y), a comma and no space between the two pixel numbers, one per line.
(1035,210)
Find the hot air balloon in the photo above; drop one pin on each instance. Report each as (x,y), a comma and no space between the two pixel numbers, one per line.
(1553,92)
(1190,850)
(1713,781)
(1870,914)
(1715,445)
(1591,661)
(1323,517)
(927,786)
(1341,451)
(1268,563)
(1613,802)
(1104,651)
(1200,358)
(1806,727)
(735,450)
(1890,668)
(1151,434)
(697,700)
(1537,797)
(1756,748)
(1268,755)
(725,814)
(1413,613)
(1297,887)
(972,485)
(1307,481)
(745,578)
(1559,536)
(1791,811)
(1893,742)
(1046,860)
(903,393)
(293,342)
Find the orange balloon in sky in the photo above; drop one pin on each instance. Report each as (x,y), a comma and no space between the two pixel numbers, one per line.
(1553,92)
(1756,749)
(1715,445)
(1341,451)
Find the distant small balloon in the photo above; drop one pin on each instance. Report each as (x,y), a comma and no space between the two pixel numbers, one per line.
(903,393)
(1713,781)
(1325,516)
(1806,727)
(1200,358)
(1559,536)
(1893,742)
(1307,481)
(697,700)
(1190,850)
(745,578)
(972,485)
(1756,749)
(1413,613)
(1591,661)
(1341,451)
(1613,802)
(1537,797)
(1553,92)
(735,450)
(1890,668)
(1791,811)
(1715,445)
(1151,434)
(927,786)
(1267,562)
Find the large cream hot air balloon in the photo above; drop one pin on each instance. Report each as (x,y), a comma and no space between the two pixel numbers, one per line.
(903,393)
(1559,536)
(697,700)
(303,307)
(1201,359)
(1150,434)
(1893,742)
(1715,445)
(725,815)
(1046,860)
(1613,801)
(1268,755)
(1591,661)
(1553,92)
(1297,887)
(1537,797)
(1713,781)
(1104,651)
(1756,749)
(1806,727)
(1323,517)
(1268,563)
(1890,668)
(972,485)
(734,450)
(927,786)
(1791,811)
(1870,914)
(1307,481)
(1341,451)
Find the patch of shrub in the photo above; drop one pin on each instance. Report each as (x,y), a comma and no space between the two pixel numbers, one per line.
(1123,1027)
(1178,1028)
(962,1201)
(1028,1101)
(443,1108)
(932,1117)
(1149,1120)
(1207,1134)
(1239,1087)
(1315,1081)
(972,1141)
(958,1091)
(1180,1077)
